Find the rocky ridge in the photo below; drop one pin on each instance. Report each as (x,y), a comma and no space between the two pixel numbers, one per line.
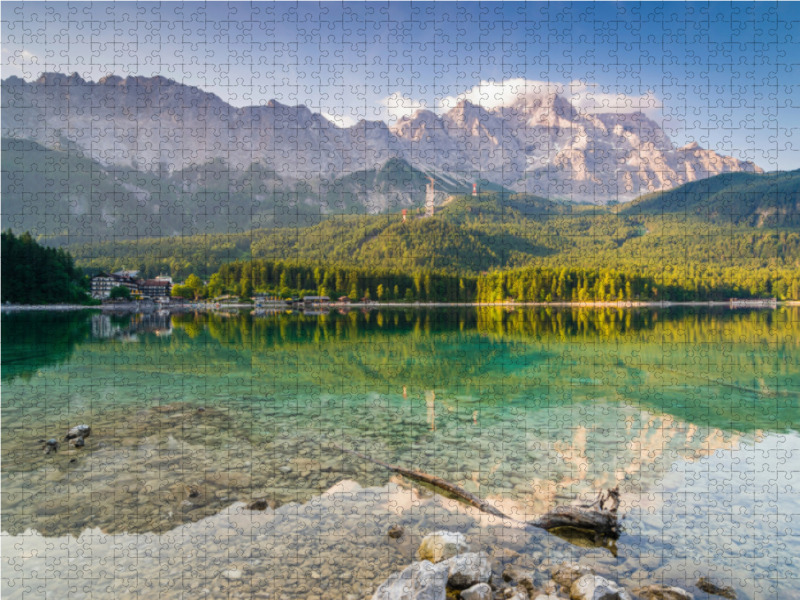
(541,144)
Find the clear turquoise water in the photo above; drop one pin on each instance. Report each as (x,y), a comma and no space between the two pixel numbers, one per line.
(693,412)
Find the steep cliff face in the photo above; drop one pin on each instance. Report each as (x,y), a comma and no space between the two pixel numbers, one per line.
(540,144)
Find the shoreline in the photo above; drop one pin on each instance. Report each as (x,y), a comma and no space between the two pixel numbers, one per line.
(376,305)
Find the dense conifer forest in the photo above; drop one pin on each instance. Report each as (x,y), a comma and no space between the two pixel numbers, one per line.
(35,274)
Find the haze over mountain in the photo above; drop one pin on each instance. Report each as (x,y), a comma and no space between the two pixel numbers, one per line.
(155,140)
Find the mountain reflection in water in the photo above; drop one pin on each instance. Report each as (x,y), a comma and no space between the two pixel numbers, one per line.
(690,411)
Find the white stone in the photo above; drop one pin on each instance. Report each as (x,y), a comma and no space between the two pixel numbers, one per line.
(662,592)
(419,581)
(566,575)
(468,569)
(594,587)
(442,545)
(480,591)
(232,574)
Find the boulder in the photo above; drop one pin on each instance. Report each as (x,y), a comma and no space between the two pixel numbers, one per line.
(442,545)
(566,575)
(662,592)
(712,587)
(79,431)
(594,587)
(419,581)
(527,579)
(480,591)
(468,569)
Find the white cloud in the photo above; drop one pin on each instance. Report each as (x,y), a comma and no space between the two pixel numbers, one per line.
(398,105)
(340,120)
(589,98)
(491,94)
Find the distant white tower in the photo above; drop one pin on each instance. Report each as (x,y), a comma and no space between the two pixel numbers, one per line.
(474,190)
(430,194)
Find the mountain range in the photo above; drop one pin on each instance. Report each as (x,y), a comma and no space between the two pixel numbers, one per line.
(157,150)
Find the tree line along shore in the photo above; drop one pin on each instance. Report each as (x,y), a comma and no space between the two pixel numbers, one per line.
(33,274)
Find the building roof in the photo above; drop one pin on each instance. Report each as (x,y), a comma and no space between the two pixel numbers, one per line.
(155,282)
(115,277)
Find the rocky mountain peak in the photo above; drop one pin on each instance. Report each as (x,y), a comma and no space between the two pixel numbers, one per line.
(540,143)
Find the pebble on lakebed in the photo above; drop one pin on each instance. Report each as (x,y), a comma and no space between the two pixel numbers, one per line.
(396,532)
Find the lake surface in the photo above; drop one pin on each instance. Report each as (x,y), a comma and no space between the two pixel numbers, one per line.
(693,412)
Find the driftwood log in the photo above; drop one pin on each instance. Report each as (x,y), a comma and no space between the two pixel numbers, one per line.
(599,517)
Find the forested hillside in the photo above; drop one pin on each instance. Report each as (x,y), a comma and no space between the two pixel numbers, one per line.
(34,274)
(474,235)
(64,196)
(769,200)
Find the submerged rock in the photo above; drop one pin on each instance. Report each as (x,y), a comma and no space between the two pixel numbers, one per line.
(419,581)
(662,592)
(712,587)
(566,575)
(442,545)
(480,591)
(78,442)
(594,587)
(468,569)
(522,577)
(79,431)
(50,445)
(232,574)
(258,504)
(396,531)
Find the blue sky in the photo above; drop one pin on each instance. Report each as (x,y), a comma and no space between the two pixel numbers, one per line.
(721,74)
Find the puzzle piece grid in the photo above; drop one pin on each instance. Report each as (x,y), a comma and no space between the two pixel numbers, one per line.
(347,82)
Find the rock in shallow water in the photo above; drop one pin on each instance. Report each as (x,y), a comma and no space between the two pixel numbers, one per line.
(662,592)
(79,431)
(526,579)
(468,569)
(594,587)
(481,591)
(419,581)
(566,575)
(259,504)
(232,574)
(442,545)
(50,445)
(396,531)
(712,587)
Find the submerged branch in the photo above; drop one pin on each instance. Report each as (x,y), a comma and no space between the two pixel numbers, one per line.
(600,516)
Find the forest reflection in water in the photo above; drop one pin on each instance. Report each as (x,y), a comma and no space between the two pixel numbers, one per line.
(689,410)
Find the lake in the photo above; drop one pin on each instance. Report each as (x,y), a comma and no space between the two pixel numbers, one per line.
(693,412)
